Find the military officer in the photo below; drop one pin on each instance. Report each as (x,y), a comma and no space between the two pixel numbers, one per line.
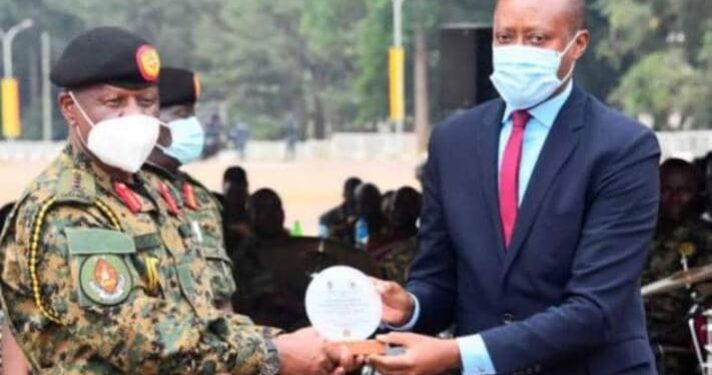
(195,210)
(93,279)
(682,240)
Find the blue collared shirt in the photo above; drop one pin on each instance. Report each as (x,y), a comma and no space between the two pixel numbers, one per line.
(535,133)
(473,351)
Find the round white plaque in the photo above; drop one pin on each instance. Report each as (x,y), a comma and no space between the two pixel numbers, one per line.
(343,305)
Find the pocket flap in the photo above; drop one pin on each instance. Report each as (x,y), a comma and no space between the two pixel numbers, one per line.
(216,253)
(87,241)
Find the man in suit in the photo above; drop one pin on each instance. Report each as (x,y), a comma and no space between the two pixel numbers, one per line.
(538,211)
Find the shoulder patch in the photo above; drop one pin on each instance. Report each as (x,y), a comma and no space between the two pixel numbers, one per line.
(75,186)
(105,279)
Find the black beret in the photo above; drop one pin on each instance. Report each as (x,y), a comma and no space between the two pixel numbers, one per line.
(107,55)
(178,86)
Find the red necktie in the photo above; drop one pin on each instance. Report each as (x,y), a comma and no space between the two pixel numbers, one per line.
(509,176)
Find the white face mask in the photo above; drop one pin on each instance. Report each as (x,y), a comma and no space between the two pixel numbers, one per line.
(527,76)
(122,142)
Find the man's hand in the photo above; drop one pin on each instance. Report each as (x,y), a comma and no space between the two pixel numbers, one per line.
(398,305)
(423,355)
(305,352)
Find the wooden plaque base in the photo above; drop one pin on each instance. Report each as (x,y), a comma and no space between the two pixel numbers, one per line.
(365,347)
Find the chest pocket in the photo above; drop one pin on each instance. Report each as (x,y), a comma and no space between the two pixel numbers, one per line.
(101,268)
(204,228)
(206,233)
(219,273)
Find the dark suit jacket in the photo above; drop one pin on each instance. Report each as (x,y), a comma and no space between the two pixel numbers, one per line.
(565,297)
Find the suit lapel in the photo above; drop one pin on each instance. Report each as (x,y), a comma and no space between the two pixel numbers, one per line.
(559,145)
(487,147)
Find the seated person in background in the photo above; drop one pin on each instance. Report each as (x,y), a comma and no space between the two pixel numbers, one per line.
(681,240)
(387,205)
(273,270)
(371,228)
(394,258)
(256,289)
(338,222)
(236,190)
(266,216)
(705,170)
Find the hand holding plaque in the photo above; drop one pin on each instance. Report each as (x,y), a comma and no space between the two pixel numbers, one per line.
(344,306)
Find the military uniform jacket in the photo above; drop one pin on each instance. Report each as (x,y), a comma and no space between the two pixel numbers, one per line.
(200,219)
(94,287)
(395,259)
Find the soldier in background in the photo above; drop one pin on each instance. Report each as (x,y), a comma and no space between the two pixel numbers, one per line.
(239,136)
(681,240)
(387,205)
(371,228)
(395,257)
(291,136)
(338,222)
(236,191)
(705,172)
(213,136)
(273,270)
(258,294)
(93,282)
(196,212)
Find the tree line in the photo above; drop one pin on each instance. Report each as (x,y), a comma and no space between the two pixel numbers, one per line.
(325,61)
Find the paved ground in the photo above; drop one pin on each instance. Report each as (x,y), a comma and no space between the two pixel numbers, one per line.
(308,188)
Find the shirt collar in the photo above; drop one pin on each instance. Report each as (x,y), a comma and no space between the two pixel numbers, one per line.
(78,159)
(547,111)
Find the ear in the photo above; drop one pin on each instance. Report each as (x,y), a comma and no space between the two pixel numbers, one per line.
(584,37)
(67,108)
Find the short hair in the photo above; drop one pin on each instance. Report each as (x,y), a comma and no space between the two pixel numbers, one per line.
(577,13)
(265,199)
(352,183)
(675,164)
(235,175)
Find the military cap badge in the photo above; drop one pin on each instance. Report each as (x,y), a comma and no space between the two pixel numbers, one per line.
(148,62)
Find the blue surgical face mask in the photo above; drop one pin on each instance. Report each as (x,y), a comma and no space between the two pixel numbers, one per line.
(527,76)
(188,139)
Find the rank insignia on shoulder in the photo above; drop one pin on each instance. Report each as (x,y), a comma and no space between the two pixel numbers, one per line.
(105,279)
(75,186)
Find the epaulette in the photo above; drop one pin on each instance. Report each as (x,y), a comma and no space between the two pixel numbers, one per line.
(75,185)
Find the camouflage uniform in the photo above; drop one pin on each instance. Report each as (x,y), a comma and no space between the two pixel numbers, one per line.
(200,215)
(666,313)
(395,259)
(91,287)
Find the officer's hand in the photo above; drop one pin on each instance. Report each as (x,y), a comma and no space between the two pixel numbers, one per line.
(305,352)
(423,355)
(340,354)
(398,305)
